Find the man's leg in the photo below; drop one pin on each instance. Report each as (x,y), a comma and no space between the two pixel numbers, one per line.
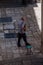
(19,38)
(24,38)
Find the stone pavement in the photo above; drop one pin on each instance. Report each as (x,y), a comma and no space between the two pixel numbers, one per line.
(26,60)
(8,47)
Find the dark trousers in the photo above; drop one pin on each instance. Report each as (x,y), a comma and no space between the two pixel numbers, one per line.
(20,36)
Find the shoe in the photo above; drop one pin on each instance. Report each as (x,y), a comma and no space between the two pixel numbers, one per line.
(19,45)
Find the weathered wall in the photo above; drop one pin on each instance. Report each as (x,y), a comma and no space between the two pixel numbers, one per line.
(42,26)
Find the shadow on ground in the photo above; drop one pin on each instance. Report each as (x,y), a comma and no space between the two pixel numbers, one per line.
(28,60)
(13,5)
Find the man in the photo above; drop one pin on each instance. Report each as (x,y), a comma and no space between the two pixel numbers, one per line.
(21,32)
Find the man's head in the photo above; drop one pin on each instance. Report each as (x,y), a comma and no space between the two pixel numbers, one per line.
(22,18)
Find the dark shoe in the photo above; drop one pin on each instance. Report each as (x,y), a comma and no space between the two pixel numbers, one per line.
(28,44)
(19,45)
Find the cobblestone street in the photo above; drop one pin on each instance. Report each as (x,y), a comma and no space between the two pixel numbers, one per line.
(8,46)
